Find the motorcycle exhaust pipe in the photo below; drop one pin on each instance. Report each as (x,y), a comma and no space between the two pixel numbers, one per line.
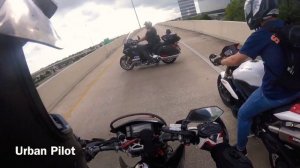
(286,134)
(274,129)
(169,57)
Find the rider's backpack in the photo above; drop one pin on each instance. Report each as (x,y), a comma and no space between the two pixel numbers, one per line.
(288,37)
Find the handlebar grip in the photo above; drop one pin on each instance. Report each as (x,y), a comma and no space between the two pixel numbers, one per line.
(108,148)
(91,152)
(169,137)
(93,147)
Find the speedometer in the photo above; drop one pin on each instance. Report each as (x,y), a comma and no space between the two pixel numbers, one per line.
(137,128)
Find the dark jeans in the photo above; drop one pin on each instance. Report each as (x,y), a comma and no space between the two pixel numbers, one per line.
(145,51)
(255,104)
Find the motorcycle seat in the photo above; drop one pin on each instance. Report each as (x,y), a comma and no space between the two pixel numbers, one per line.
(283,108)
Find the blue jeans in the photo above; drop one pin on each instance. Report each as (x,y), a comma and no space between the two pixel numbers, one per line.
(255,104)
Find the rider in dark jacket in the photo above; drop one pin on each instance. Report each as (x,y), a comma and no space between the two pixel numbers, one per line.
(152,38)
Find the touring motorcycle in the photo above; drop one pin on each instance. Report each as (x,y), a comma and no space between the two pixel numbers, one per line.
(166,51)
(146,135)
(279,128)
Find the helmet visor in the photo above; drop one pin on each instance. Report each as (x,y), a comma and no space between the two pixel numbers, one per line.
(251,7)
(23,19)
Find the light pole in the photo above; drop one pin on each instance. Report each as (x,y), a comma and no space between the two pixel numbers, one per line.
(136,14)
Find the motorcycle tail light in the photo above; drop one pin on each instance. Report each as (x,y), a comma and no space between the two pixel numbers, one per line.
(295,108)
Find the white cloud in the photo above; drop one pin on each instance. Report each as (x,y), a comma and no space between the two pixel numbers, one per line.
(88,25)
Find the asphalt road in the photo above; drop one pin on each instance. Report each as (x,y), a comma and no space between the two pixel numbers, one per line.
(167,90)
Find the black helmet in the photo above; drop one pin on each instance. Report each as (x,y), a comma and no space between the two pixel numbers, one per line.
(168,31)
(148,24)
(258,10)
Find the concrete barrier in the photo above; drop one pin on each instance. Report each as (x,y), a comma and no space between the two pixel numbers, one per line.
(227,30)
(57,87)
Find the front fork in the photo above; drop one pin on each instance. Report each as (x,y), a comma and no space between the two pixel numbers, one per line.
(128,60)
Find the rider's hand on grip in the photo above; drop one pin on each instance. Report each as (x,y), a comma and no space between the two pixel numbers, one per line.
(89,155)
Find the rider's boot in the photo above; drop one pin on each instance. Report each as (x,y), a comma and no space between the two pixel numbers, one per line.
(243,151)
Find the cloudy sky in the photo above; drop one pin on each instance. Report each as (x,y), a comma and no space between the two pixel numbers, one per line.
(83,23)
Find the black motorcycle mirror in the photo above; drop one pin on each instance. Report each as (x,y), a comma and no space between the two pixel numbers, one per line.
(206,114)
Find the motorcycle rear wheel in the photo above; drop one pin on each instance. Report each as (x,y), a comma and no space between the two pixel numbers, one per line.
(224,94)
(124,63)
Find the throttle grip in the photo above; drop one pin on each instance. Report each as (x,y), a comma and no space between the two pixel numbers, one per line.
(89,154)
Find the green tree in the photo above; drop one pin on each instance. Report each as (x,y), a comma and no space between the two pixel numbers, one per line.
(235,11)
(200,17)
(289,10)
(106,41)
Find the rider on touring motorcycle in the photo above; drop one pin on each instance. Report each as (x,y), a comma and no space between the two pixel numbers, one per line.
(261,16)
(152,38)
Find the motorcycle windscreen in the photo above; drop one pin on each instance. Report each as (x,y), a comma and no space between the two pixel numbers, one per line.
(128,37)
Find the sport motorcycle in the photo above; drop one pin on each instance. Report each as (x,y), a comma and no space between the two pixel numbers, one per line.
(146,135)
(278,128)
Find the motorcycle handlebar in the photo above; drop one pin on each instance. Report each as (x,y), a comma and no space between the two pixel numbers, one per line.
(94,147)
(107,148)
(185,136)
(169,137)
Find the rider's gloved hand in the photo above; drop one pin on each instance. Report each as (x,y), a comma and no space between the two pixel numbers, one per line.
(215,59)
(89,155)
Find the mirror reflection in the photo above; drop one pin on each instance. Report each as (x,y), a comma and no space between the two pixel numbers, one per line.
(204,114)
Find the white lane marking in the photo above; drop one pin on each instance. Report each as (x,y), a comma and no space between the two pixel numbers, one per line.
(217,69)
